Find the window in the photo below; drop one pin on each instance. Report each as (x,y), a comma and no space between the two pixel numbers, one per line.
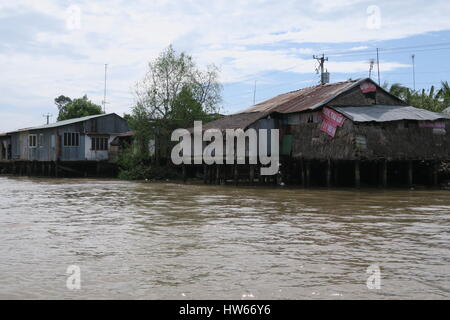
(41,140)
(99,143)
(71,139)
(32,141)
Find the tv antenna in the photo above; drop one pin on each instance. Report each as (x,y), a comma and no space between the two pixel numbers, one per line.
(104,92)
(324,75)
(48,116)
(372,63)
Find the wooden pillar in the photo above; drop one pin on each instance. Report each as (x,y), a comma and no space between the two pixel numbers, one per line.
(236,175)
(302,173)
(383,173)
(252,174)
(97,169)
(183,168)
(56,169)
(328,173)
(217,174)
(308,173)
(205,174)
(357,174)
(336,173)
(410,173)
(435,173)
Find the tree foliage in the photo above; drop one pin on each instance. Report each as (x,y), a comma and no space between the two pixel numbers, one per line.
(434,99)
(173,94)
(76,108)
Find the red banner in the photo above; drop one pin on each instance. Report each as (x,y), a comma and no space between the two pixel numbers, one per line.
(333,117)
(328,127)
(368,87)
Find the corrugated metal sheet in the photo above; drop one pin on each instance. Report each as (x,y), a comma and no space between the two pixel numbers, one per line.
(296,101)
(382,113)
(446,111)
(235,121)
(65,122)
(304,99)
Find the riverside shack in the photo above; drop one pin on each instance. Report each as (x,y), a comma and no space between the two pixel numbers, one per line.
(344,134)
(77,146)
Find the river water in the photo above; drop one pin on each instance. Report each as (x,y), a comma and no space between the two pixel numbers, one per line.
(172,241)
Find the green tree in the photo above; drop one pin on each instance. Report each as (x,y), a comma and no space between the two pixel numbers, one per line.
(432,99)
(174,92)
(77,108)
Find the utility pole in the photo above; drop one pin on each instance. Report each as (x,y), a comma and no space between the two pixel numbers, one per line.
(413,57)
(104,92)
(48,115)
(372,62)
(324,75)
(254,94)
(378,66)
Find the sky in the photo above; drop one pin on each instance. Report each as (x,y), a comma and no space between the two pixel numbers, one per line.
(51,48)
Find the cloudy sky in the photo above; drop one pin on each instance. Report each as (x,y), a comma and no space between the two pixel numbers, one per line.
(49,48)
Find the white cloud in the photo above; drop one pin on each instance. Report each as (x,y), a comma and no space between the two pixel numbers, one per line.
(242,37)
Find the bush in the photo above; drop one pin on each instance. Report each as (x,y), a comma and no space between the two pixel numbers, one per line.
(138,167)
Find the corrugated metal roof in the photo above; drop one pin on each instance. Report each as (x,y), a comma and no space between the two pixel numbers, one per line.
(63,123)
(447,110)
(383,113)
(235,121)
(304,99)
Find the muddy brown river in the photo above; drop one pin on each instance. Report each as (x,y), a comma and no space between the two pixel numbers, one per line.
(134,240)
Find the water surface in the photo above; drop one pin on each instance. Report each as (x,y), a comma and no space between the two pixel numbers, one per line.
(173,241)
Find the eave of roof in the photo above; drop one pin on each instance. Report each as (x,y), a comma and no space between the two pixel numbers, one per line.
(385,113)
(63,123)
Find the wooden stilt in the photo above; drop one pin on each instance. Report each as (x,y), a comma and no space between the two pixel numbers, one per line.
(205,174)
(357,174)
(236,175)
(328,173)
(383,173)
(183,168)
(410,173)
(435,173)
(336,172)
(217,174)
(252,174)
(308,173)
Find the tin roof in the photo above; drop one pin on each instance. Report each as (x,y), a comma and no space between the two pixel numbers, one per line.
(295,101)
(304,99)
(235,121)
(383,113)
(63,122)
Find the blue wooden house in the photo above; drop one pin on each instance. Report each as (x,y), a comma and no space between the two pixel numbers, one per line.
(81,139)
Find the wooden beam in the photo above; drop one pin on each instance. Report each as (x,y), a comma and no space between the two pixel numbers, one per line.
(410,173)
(357,174)
(328,173)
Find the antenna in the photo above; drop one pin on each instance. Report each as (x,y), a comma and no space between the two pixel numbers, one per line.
(378,66)
(324,75)
(372,62)
(413,57)
(254,94)
(104,92)
(48,116)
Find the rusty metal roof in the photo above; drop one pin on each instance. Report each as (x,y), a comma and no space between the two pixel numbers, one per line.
(304,99)
(235,121)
